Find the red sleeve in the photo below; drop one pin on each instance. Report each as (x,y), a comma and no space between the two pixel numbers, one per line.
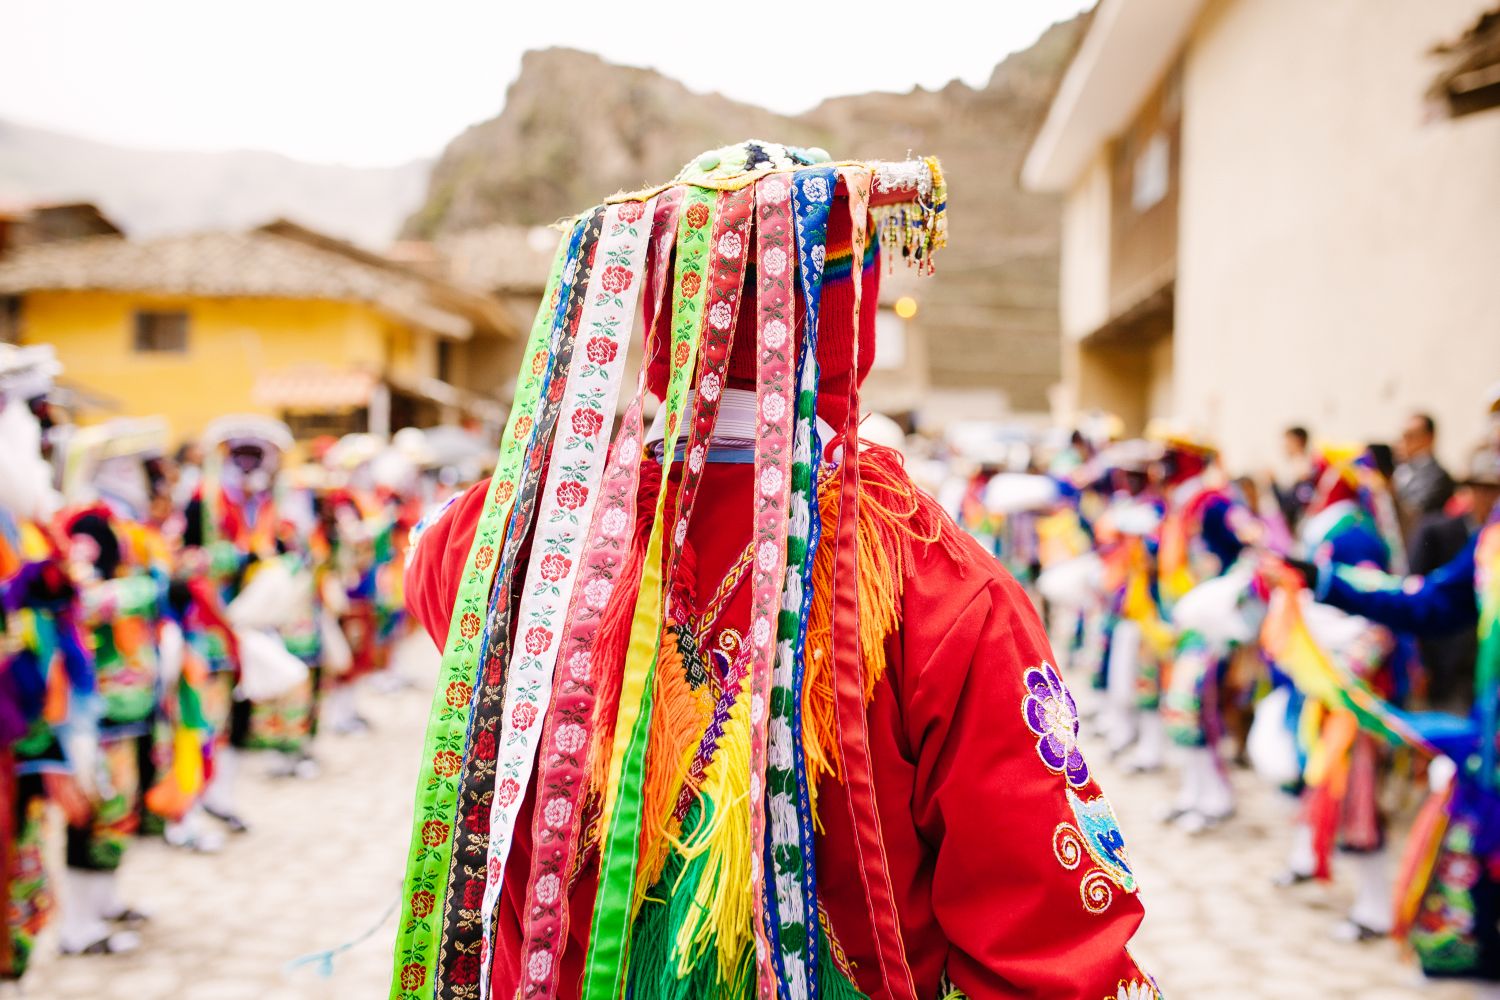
(437,562)
(1025,914)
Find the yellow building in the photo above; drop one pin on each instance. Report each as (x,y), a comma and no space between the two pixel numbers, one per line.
(279,321)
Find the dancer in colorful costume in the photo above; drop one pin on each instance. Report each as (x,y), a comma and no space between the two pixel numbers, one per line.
(361,517)
(44,665)
(234,531)
(746,715)
(1448,890)
(1202,532)
(1134,636)
(118,564)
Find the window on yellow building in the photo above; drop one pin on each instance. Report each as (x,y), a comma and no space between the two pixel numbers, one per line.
(158,331)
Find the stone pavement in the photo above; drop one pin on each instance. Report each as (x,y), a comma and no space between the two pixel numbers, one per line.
(1217,929)
(322,865)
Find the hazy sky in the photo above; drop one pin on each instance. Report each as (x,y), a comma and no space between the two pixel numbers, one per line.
(382,81)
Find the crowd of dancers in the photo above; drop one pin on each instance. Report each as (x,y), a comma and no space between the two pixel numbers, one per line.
(1336,631)
(165,615)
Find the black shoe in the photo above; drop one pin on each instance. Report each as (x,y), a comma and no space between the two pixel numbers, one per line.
(128,916)
(230,820)
(1289,878)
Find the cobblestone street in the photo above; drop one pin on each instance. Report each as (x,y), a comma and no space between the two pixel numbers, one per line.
(1217,928)
(322,864)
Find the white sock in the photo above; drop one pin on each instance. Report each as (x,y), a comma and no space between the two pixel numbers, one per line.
(1372,896)
(81,921)
(219,795)
(1150,742)
(1190,784)
(1302,860)
(339,710)
(1215,795)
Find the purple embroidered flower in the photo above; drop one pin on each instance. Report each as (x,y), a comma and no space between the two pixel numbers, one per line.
(1052,715)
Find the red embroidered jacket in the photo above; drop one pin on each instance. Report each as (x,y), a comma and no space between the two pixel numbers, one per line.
(1007,867)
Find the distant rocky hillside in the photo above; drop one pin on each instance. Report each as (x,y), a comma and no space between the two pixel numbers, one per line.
(574,127)
(150,192)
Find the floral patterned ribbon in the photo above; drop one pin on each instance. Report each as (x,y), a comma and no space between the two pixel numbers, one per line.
(729,250)
(442,748)
(460,951)
(794,904)
(621,818)
(848,673)
(775,323)
(574,470)
(568,734)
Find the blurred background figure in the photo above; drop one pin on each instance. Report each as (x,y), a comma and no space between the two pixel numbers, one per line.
(1292,481)
(1423,486)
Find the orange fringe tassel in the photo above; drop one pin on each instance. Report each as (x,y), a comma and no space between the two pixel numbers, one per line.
(679,717)
(893,517)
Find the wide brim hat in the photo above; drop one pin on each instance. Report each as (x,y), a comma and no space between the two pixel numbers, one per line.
(248,428)
(1175,435)
(126,437)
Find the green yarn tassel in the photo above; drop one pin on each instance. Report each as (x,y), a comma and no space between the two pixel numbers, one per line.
(832,984)
(653,971)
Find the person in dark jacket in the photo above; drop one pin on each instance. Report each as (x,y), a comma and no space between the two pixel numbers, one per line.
(1422,485)
(1445,599)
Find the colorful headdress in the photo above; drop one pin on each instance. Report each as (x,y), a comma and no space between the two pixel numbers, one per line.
(1352,509)
(758,265)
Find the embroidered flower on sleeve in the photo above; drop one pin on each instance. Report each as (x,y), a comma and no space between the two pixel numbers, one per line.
(1051,714)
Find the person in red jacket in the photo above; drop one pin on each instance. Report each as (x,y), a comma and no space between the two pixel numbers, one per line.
(794,731)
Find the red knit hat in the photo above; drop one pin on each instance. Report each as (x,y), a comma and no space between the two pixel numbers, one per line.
(835,323)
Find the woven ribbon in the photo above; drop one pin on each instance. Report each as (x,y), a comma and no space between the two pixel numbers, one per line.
(794,903)
(849,686)
(460,955)
(775,326)
(443,745)
(574,470)
(568,735)
(604,971)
